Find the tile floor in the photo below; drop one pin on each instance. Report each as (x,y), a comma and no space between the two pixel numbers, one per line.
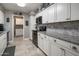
(26,48)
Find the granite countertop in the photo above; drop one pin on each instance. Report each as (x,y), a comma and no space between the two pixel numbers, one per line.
(68,38)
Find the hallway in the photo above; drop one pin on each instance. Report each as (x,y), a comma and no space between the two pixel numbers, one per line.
(26,48)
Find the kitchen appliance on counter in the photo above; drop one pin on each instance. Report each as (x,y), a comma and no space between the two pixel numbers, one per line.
(42,28)
(34,38)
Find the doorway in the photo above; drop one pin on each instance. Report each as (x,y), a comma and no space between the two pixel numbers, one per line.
(18,27)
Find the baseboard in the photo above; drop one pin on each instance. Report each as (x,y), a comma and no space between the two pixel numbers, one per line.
(11,42)
(30,39)
(42,51)
(26,38)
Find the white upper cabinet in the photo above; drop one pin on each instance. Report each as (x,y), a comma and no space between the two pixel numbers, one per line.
(63,11)
(74,11)
(1,17)
(52,13)
(49,14)
(45,16)
(59,12)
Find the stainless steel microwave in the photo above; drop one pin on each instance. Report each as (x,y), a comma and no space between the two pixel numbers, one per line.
(39,20)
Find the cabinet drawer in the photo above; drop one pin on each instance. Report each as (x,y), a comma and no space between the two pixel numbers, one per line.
(63,43)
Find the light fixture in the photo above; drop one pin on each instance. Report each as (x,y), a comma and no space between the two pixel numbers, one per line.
(21,4)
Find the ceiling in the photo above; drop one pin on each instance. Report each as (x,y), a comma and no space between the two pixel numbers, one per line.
(28,8)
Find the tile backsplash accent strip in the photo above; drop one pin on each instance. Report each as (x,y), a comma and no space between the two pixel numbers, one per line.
(65,25)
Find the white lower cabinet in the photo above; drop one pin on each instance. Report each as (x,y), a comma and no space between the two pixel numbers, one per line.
(56,47)
(67,53)
(43,43)
(40,41)
(75,49)
(3,43)
(55,50)
(46,44)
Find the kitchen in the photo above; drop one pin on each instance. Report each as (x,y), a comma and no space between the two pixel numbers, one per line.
(51,29)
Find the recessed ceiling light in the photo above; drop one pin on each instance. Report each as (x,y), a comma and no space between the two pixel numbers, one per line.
(21,4)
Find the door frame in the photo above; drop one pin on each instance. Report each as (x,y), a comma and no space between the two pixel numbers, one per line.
(16,25)
(13,26)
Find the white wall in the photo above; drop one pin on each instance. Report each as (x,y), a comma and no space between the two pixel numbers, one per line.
(32,23)
(26,28)
(8,25)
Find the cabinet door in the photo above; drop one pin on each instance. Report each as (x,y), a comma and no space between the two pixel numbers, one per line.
(41,41)
(45,16)
(74,11)
(4,43)
(55,49)
(52,13)
(1,46)
(49,14)
(63,11)
(1,17)
(46,45)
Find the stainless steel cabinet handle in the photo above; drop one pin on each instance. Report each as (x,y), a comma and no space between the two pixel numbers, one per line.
(61,48)
(63,51)
(41,38)
(45,36)
(54,40)
(74,48)
(67,18)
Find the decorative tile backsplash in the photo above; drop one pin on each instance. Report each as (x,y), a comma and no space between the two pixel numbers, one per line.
(68,28)
(66,25)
